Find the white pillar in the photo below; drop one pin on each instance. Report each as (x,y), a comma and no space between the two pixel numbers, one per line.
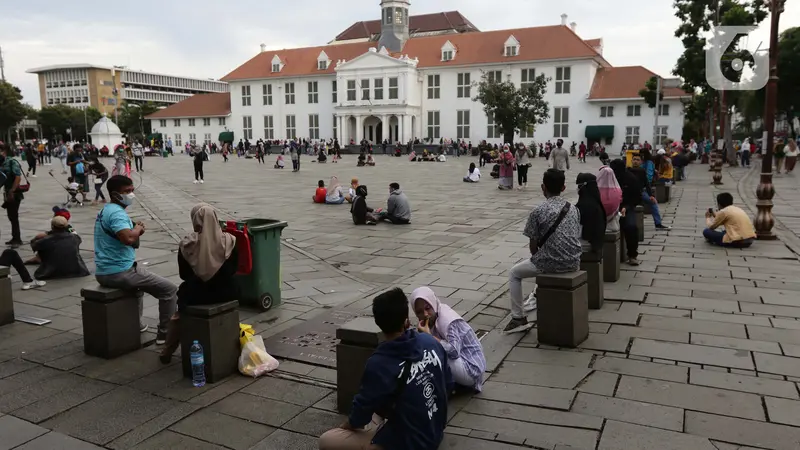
(385,128)
(360,130)
(401,128)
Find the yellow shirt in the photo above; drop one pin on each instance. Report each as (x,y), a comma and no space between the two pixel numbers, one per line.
(736,222)
(666,170)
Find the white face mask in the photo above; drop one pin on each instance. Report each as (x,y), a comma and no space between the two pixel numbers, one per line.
(127,199)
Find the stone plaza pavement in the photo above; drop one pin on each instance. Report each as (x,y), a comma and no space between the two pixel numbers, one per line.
(697,348)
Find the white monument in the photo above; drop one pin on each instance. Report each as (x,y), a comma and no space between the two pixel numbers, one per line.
(106,133)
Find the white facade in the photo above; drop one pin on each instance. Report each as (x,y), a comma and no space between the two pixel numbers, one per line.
(634,121)
(194,130)
(139,86)
(66,86)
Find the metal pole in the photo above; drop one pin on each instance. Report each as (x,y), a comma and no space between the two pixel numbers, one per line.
(2,66)
(85,126)
(765,220)
(658,106)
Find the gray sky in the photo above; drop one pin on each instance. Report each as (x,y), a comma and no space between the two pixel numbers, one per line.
(209,38)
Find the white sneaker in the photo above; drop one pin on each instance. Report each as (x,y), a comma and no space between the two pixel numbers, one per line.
(195,182)
(33,176)
(34,284)
(530,303)
(201,181)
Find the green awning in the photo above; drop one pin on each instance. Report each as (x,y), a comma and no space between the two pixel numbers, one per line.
(596,132)
(156,136)
(226,136)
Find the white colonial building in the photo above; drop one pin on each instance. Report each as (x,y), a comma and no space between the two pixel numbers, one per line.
(200,119)
(416,79)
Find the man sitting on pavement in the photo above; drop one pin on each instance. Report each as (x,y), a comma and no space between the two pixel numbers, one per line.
(739,231)
(402,401)
(116,239)
(398,210)
(554,230)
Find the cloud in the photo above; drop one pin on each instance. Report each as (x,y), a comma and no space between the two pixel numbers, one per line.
(207,39)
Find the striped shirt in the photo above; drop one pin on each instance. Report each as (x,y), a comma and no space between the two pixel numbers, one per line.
(462,342)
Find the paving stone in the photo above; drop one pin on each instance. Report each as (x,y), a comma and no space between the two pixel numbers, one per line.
(735,343)
(697,398)
(731,318)
(641,369)
(625,436)
(541,375)
(14,366)
(535,434)
(780,365)
(122,370)
(221,429)
(478,434)
(174,441)
(613,316)
(606,343)
(790,324)
(649,333)
(52,441)
(39,402)
(286,440)
(527,395)
(220,390)
(655,310)
(629,411)
(772,310)
(287,391)
(774,334)
(314,422)
(692,353)
(554,357)
(16,432)
(692,325)
(534,415)
(740,431)
(602,383)
(102,419)
(257,409)
(783,411)
(455,442)
(705,304)
(152,427)
(743,383)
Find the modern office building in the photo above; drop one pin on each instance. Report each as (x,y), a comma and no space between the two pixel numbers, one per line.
(82,85)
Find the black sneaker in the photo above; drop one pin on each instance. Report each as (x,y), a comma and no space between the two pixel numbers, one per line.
(663,227)
(161,338)
(14,244)
(517,325)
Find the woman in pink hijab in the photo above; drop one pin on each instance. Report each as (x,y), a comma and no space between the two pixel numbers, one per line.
(464,351)
(610,196)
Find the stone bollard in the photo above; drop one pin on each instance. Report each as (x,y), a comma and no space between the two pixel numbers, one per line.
(592,264)
(216,328)
(110,321)
(662,193)
(612,255)
(6,298)
(640,222)
(563,314)
(358,339)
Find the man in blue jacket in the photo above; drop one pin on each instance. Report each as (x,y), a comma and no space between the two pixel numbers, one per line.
(402,402)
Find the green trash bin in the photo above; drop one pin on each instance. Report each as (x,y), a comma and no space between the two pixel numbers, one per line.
(262,286)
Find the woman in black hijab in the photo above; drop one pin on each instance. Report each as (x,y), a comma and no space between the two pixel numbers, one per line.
(593,216)
(362,214)
(631,196)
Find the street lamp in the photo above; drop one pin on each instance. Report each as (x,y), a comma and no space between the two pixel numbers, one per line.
(766,191)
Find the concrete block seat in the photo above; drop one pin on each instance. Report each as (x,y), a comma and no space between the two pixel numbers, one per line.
(110,321)
(6,297)
(216,328)
(612,255)
(663,192)
(358,339)
(592,264)
(563,308)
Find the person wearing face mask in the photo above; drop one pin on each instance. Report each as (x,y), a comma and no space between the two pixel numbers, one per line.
(116,239)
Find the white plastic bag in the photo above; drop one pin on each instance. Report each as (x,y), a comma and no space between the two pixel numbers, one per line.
(254,360)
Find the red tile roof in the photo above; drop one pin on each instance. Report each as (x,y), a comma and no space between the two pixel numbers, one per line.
(423,23)
(594,42)
(625,82)
(198,105)
(486,47)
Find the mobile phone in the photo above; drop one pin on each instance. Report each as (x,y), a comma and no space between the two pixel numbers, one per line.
(711,211)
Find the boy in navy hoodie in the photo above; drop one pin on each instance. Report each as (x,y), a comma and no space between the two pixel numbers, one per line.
(405,383)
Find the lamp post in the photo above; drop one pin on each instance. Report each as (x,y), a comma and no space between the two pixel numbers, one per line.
(766,191)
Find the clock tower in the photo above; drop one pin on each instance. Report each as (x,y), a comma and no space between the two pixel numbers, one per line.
(394,24)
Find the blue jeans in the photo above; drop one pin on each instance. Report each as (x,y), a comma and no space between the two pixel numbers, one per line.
(745,158)
(716,238)
(653,207)
(335,202)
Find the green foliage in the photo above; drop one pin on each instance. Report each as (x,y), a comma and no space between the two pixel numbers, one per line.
(12,110)
(648,93)
(57,119)
(132,120)
(789,74)
(514,108)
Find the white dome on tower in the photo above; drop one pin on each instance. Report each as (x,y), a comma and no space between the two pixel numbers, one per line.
(105,126)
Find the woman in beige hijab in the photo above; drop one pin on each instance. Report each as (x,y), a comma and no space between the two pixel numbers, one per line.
(207,262)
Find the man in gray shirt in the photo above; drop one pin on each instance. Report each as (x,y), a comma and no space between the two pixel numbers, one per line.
(398,210)
(560,157)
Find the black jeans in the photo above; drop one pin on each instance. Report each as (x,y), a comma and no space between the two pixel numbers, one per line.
(12,209)
(10,258)
(41,157)
(32,166)
(198,170)
(138,161)
(630,231)
(98,192)
(522,174)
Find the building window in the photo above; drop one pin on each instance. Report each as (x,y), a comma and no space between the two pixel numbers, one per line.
(289,93)
(561,122)
(191,122)
(511,50)
(276,67)
(364,89)
(398,16)
(495,76)
(245,95)
(313,92)
(663,110)
(83,82)
(192,139)
(351,90)
(222,121)
(661,135)
(563,77)
(334,90)
(322,65)
(606,111)
(291,127)
(462,124)
(527,132)
(433,124)
(493,131)
(464,83)
(631,135)
(634,110)
(313,126)
(393,89)
(178,141)
(528,77)
(207,139)
(266,90)
(269,128)
(335,127)
(447,55)
(247,125)
(162,123)
(378,88)
(433,86)
(207,122)
(176,122)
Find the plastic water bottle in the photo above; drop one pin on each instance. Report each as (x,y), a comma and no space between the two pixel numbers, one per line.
(198,365)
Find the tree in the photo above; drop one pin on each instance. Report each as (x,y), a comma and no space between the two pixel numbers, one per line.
(648,92)
(514,109)
(132,120)
(789,75)
(12,110)
(57,119)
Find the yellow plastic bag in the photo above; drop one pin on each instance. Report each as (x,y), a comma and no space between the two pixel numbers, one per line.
(246,333)
(254,360)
